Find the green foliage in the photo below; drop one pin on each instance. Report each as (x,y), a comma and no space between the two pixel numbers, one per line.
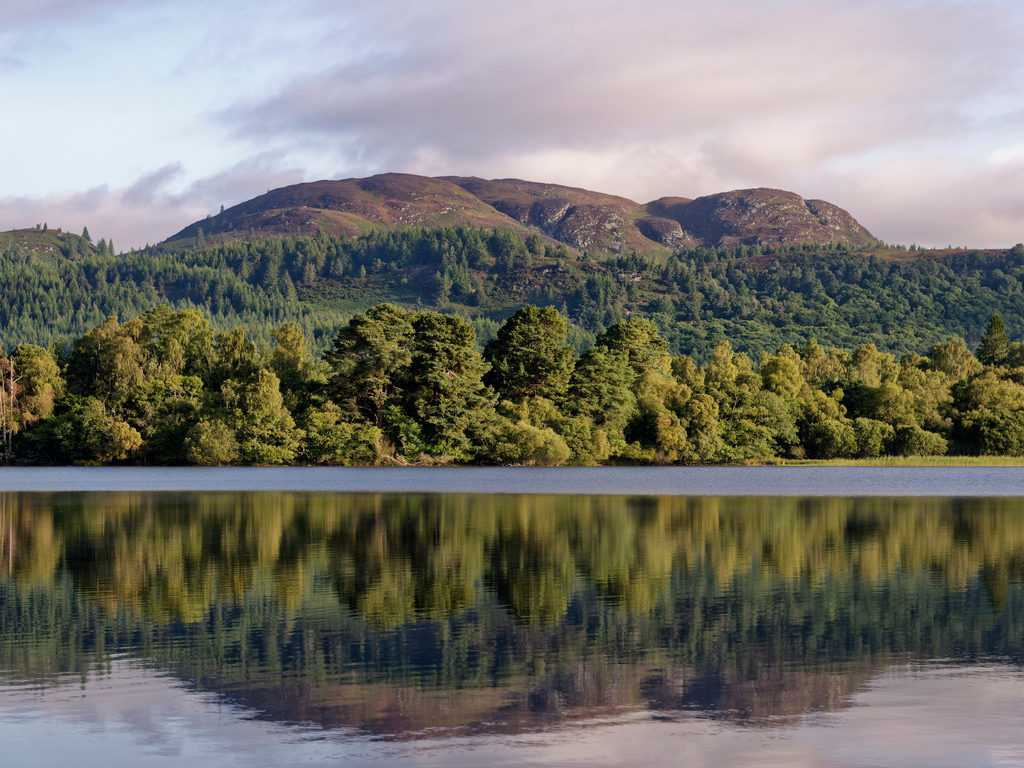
(911,440)
(873,437)
(83,431)
(264,428)
(529,357)
(601,388)
(403,386)
(831,439)
(522,443)
(65,286)
(641,344)
(368,358)
(163,409)
(211,443)
(993,433)
(39,376)
(443,385)
(332,440)
(954,359)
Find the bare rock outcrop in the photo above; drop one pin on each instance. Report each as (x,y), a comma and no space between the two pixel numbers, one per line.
(762,217)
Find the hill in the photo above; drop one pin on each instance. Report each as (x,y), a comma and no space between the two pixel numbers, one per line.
(349,207)
(761,217)
(583,220)
(52,242)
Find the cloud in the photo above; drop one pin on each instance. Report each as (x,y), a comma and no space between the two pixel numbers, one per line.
(744,80)
(704,98)
(145,191)
(36,13)
(150,209)
(936,202)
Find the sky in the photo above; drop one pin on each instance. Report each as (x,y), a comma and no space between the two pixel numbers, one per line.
(138,117)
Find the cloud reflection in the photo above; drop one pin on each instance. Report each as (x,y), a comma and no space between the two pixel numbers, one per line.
(131,715)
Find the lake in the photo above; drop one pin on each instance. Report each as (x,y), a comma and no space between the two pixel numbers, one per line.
(746,616)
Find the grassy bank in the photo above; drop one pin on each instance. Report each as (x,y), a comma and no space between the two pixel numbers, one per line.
(909,461)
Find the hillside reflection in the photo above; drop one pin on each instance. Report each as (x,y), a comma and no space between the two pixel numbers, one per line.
(399,613)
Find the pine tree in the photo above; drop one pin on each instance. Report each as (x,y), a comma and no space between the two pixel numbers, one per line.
(369,358)
(529,358)
(85,235)
(445,392)
(994,344)
(444,288)
(600,388)
(638,339)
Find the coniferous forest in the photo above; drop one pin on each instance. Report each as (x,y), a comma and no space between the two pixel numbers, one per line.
(57,286)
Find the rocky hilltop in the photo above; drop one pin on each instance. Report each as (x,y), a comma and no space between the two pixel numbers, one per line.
(585,221)
(761,217)
(579,218)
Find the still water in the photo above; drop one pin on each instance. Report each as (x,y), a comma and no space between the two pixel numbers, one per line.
(271,628)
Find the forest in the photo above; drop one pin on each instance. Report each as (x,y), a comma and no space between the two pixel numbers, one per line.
(57,286)
(402,386)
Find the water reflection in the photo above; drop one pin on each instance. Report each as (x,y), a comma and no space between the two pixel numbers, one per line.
(132,715)
(443,616)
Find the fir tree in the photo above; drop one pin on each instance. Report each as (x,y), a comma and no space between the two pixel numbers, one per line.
(529,358)
(995,343)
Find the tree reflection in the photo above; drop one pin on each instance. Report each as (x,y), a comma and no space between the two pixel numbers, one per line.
(393,559)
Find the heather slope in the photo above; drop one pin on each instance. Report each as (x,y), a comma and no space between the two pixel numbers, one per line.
(349,207)
(586,221)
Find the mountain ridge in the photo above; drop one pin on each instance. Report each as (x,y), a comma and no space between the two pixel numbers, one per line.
(583,220)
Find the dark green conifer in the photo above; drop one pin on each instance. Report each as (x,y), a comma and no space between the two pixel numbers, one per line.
(995,343)
(369,359)
(529,358)
(445,392)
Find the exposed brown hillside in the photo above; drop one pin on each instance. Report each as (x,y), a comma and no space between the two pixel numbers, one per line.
(582,219)
(588,221)
(761,217)
(351,207)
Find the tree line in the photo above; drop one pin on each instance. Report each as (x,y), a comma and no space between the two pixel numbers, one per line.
(58,286)
(411,386)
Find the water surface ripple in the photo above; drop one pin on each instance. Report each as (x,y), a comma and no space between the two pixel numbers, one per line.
(630,481)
